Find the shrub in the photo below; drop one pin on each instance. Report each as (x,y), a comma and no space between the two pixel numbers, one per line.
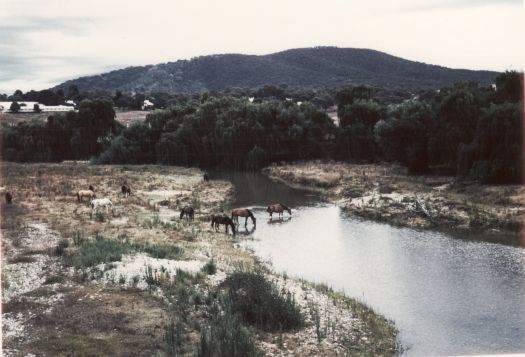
(259,302)
(210,267)
(100,250)
(225,336)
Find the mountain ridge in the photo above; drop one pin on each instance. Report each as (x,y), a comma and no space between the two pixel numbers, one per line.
(314,66)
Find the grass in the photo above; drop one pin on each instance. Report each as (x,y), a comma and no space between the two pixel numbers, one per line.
(210,267)
(225,336)
(103,250)
(260,303)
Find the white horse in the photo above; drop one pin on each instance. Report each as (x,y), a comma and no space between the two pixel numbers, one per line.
(101,202)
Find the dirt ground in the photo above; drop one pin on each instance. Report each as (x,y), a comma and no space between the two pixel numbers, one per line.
(51,307)
(386,193)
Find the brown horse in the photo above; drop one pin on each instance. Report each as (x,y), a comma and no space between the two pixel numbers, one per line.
(217,220)
(85,193)
(8,198)
(243,212)
(278,208)
(206,178)
(126,190)
(91,188)
(187,211)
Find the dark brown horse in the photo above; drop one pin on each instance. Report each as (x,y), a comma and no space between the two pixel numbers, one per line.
(206,178)
(187,211)
(91,188)
(126,190)
(243,212)
(278,208)
(217,220)
(8,198)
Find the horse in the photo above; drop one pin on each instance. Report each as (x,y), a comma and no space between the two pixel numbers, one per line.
(85,193)
(126,190)
(278,208)
(243,212)
(91,188)
(206,178)
(101,202)
(187,211)
(217,220)
(8,198)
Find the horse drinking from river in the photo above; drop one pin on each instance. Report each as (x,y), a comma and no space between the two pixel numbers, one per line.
(243,212)
(217,220)
(278,208)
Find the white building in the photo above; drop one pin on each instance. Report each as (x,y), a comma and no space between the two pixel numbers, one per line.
(29,107)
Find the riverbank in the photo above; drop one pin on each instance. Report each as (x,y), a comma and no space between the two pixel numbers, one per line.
(386,193)
(137,280)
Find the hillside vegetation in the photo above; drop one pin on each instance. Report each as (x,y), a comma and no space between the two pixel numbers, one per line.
(319,66)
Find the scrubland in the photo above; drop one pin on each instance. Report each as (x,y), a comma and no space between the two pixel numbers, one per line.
(137,280)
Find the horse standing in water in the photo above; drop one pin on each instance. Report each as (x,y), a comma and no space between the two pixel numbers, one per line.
(126,190)
(217,220)
(243,212)
(85,193)
(278,208)
(187,211)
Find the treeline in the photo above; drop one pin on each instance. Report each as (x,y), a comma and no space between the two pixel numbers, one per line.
(468,130)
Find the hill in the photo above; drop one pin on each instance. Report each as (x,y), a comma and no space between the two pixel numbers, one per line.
(319,66)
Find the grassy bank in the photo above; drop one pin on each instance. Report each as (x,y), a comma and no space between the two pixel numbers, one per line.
(137,280)
(386,193)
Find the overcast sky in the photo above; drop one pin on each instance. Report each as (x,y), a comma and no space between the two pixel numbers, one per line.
(43,43)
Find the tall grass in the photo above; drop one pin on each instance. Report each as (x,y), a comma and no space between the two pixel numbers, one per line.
(225,336)
(260,303)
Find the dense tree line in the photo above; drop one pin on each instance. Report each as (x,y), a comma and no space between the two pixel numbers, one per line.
(466,129)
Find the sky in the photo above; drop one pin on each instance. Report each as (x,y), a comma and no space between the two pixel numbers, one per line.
(45,42)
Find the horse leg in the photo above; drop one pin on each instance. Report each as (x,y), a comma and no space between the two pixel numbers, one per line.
(246,222)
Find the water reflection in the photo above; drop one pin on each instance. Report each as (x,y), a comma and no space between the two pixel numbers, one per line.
(447,296)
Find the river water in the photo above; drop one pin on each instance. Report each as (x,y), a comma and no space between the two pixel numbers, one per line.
(447,296)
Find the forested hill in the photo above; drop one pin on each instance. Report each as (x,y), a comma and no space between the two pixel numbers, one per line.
(296,67)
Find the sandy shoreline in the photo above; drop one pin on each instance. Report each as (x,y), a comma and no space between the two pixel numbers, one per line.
(386,193)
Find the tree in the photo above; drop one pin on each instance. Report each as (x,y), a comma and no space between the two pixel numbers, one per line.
(15,107)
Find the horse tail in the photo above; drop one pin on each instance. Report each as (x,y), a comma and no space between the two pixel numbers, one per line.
(212,220)
(78,196)
(233,215)
(286,209)
(182,213)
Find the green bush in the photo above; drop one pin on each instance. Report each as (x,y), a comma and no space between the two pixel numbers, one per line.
(225,336)
(259,302)
(97,251)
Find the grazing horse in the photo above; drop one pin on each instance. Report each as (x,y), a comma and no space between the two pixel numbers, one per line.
(217,220)
(85,193)
(8,198)
(243,212)
(187,211)
(101,202)
(278,208)
(206,178)
(126,190)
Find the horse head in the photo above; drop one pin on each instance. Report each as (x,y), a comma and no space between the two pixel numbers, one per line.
(269,209)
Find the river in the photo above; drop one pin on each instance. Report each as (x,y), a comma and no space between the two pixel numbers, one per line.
(446,295)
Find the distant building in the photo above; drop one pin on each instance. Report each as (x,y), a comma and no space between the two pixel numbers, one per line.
(29,107)
(147,105)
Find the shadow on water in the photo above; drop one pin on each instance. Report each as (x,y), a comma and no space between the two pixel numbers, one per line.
(447,296)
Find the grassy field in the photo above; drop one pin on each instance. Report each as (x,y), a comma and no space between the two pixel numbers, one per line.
(387,193)
(124,117)
(139,281)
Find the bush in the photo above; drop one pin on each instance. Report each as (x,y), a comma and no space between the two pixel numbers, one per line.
(259,303)
(100,250)
(210,267)
(225,336)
